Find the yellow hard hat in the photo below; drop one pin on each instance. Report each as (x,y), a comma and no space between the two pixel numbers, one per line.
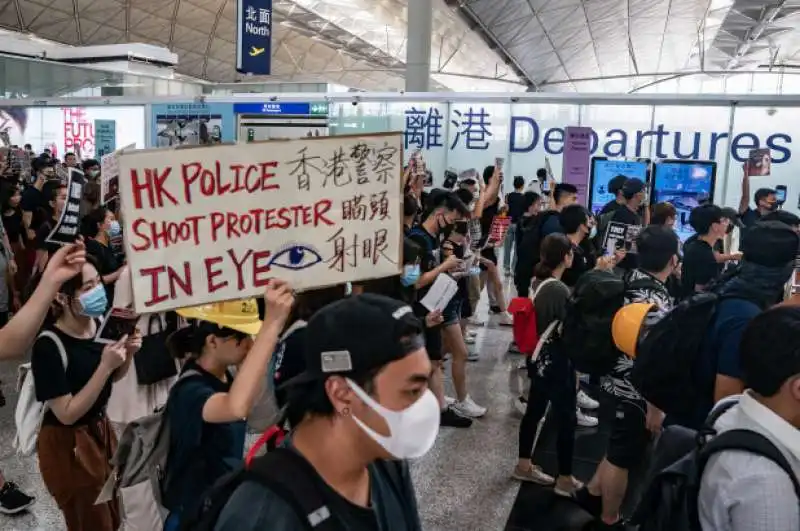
(627,324)
(241,315)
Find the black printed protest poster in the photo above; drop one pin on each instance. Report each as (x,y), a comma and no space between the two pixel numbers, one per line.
(620,236)
(209,224)
(69,222)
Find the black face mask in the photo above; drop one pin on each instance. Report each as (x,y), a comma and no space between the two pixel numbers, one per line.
(445,228)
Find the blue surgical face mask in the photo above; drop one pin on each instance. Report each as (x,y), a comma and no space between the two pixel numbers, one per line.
(593,232)
(114,229)
(411,274)
(94,302)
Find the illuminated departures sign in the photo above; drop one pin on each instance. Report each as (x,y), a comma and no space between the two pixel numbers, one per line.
(254,36)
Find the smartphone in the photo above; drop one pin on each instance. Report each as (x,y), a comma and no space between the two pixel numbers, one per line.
(450,178)
(498,162)
(428,179)
(780,193)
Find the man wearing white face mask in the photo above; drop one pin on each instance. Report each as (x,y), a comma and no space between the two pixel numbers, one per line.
(362,407)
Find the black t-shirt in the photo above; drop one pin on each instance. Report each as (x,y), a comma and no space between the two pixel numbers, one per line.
(106,261)
(516,206)
(52,380)
(199,452)
(12,222)
(700,266)
(34,201)
(582,261)
(429,261)
(489,212)
(611,206)
(42,233)
(626,216)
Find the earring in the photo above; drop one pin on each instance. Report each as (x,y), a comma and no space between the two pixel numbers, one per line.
(345,412)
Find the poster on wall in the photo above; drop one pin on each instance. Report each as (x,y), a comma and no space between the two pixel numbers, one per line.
(105,133)
(577,154)
(192,124)
(208,224)
(70,129)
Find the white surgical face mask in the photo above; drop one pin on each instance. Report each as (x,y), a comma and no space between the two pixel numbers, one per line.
(412,431)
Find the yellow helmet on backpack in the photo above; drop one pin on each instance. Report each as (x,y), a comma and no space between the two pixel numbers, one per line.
(241,315)
(627,326)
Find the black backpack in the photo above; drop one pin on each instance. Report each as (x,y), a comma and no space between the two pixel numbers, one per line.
(670,501)
(288,475)
(530,244)
(667,356)
(586,330)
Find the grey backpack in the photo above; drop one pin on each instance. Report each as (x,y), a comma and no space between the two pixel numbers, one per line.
(140,469)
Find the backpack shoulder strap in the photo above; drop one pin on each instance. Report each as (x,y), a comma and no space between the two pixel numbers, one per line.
(293,479)
(747,441)
(541,285)
(52,336)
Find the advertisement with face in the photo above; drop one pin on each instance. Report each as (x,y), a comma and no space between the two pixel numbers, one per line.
(70,129)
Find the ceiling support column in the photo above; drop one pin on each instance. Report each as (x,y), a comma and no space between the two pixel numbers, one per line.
(418,49)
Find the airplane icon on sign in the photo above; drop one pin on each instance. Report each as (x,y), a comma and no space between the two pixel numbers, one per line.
(255,52)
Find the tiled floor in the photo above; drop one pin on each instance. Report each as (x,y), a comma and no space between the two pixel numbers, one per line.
(463,484)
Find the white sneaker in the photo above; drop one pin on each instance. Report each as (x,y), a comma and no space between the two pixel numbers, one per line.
(587,402)
(472,333)
(505,319)
(469,339)
(449,400)
(475,321)
(473,356)
(586,421)
(468,408)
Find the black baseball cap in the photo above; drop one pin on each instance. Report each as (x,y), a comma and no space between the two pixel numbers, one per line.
(632,187)
(357,335)
(733,216)
(616,184)
(770,244)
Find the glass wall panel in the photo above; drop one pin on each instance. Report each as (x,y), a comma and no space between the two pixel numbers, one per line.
(776,129)
(619,130)
(693,133)
(536,134)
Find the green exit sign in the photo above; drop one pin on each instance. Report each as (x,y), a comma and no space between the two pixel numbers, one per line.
(319,108)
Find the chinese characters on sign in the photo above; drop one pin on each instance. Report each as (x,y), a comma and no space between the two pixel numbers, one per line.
(253,36)
(424,128)
(216,223)
(69,221)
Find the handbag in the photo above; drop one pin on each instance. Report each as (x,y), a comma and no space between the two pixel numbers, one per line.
(153,362)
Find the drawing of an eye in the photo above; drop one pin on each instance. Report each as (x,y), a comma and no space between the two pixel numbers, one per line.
(295,256)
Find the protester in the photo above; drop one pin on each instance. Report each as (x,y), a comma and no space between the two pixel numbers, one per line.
(97,228)
(564,194)
(740,490)
(634,417)
(615,186)
(700,264)
(765,199)
(551,373)
(207,405)
(516,208)
(360,420)
(76,441)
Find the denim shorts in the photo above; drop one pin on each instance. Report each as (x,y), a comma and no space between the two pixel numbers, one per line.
(452,312)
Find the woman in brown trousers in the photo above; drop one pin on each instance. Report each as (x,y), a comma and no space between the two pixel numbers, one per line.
(76,441)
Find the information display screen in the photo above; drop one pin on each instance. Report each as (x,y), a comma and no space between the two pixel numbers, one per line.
(686,184)
(603,170)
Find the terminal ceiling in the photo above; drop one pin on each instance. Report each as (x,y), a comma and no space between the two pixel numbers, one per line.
(561,45)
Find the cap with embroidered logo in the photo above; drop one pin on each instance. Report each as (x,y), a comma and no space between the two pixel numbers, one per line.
(357,335)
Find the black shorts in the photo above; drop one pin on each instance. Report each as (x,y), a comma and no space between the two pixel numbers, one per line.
(627,446)
(490,254)
(433,343)
(452,312)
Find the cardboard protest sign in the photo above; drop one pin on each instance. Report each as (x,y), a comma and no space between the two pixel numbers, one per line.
(620,236)
(109,175)
(208,224)
(69,223)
